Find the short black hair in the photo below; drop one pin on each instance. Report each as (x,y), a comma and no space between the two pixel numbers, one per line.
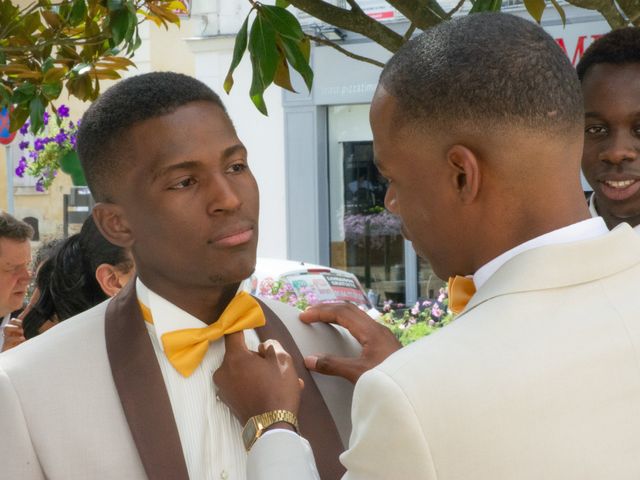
(130,101)
(484,71)
(617,47)
(11,227)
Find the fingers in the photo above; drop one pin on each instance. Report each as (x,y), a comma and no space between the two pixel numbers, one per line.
(13,335)
(347,315)
(16,322)
(345,367)
(234,342)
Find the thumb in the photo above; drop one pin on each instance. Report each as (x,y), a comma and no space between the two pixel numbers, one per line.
(345,367)
(234,342)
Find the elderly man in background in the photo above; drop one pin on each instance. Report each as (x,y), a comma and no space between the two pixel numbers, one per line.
(15,261)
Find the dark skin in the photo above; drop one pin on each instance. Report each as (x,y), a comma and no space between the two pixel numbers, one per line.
(187,207)
(490,206)
(611,158)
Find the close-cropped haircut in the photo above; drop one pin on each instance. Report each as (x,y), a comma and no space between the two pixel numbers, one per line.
(101,135)
(485,71)
(617,47)
(11,227)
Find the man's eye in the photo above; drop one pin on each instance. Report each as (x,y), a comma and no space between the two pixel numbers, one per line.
(595,130)
(237,168)
(187,182)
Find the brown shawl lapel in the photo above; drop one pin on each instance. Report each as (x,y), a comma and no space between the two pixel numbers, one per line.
(141,388)
(147,407)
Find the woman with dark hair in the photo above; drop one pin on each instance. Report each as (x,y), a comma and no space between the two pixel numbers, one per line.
(84,271)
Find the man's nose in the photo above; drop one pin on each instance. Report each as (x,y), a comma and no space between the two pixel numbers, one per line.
(621,147)
(223,196)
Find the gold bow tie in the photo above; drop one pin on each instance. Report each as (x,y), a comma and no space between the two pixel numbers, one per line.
(186,348)
(461,289)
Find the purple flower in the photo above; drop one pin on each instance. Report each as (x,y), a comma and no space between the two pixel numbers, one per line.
(23,145)
(39,185)
(39,144)
(416,309)
(24,129)
(61,137)
(426,303)
(45,118)
(22,166)
(72,141)
(63,111)
(436,312)
(33,154)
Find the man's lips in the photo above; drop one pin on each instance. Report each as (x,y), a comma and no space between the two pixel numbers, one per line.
(237,237)
(618,189)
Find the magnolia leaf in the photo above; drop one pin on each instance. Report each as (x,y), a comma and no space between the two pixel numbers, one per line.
(51,90)
(283,77)
(78,12)
(177,6)
(283,21)
(263,50)
(104,74)
(24,93)
(296,58)
(52,18)
(36,112)
(119,22)
(282,3)
(560,11)
(238,51)
(114,5)
(486,6)
(305,48)
(257,86)
(535,8)
(17,117)
(54,74)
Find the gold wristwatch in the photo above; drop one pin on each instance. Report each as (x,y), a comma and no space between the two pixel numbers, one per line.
(256,426)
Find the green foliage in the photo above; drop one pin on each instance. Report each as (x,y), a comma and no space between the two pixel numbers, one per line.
(47,46)
(275,41)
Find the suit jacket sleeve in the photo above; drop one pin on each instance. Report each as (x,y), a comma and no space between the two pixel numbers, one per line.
(281,455)
(387,440)
(17,455)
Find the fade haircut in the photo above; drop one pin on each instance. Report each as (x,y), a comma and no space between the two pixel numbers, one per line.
(102,131)
(484,71)
(11,227)
(617,47)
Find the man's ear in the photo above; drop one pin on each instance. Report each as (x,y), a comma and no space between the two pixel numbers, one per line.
(465,172)
(113,225)
(108,279)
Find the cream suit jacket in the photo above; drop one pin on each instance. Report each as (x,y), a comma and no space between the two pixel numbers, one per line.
(538,379)
(61,417)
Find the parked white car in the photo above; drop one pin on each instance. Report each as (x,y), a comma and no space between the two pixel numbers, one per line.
(300,284)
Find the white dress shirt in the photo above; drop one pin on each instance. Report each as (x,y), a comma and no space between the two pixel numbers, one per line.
(211,436)
(594,212)
(285,457)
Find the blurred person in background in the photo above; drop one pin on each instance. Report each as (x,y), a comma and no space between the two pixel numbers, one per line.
(610,75)
(82,272)
(15,275)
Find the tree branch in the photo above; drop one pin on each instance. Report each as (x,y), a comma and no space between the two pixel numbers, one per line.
(409,32)
(631,9)
(455,9)
(354,6)
(424,13)
(329,43)
(606,8)
(355,21)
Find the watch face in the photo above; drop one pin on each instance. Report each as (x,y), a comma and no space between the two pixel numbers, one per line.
(249,433)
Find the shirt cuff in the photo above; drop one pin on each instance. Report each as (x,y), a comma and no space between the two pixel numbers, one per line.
(281,454)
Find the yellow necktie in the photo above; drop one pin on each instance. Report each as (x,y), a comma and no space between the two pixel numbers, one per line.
(461,289)
(186,348)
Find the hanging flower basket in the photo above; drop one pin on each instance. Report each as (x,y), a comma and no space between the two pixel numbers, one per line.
(51,150)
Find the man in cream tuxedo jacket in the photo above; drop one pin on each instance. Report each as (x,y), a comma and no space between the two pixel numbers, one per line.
(478,126)
(125,390)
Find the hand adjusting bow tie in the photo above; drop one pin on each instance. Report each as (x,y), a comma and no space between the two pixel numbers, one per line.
(186,348)
(461,289)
